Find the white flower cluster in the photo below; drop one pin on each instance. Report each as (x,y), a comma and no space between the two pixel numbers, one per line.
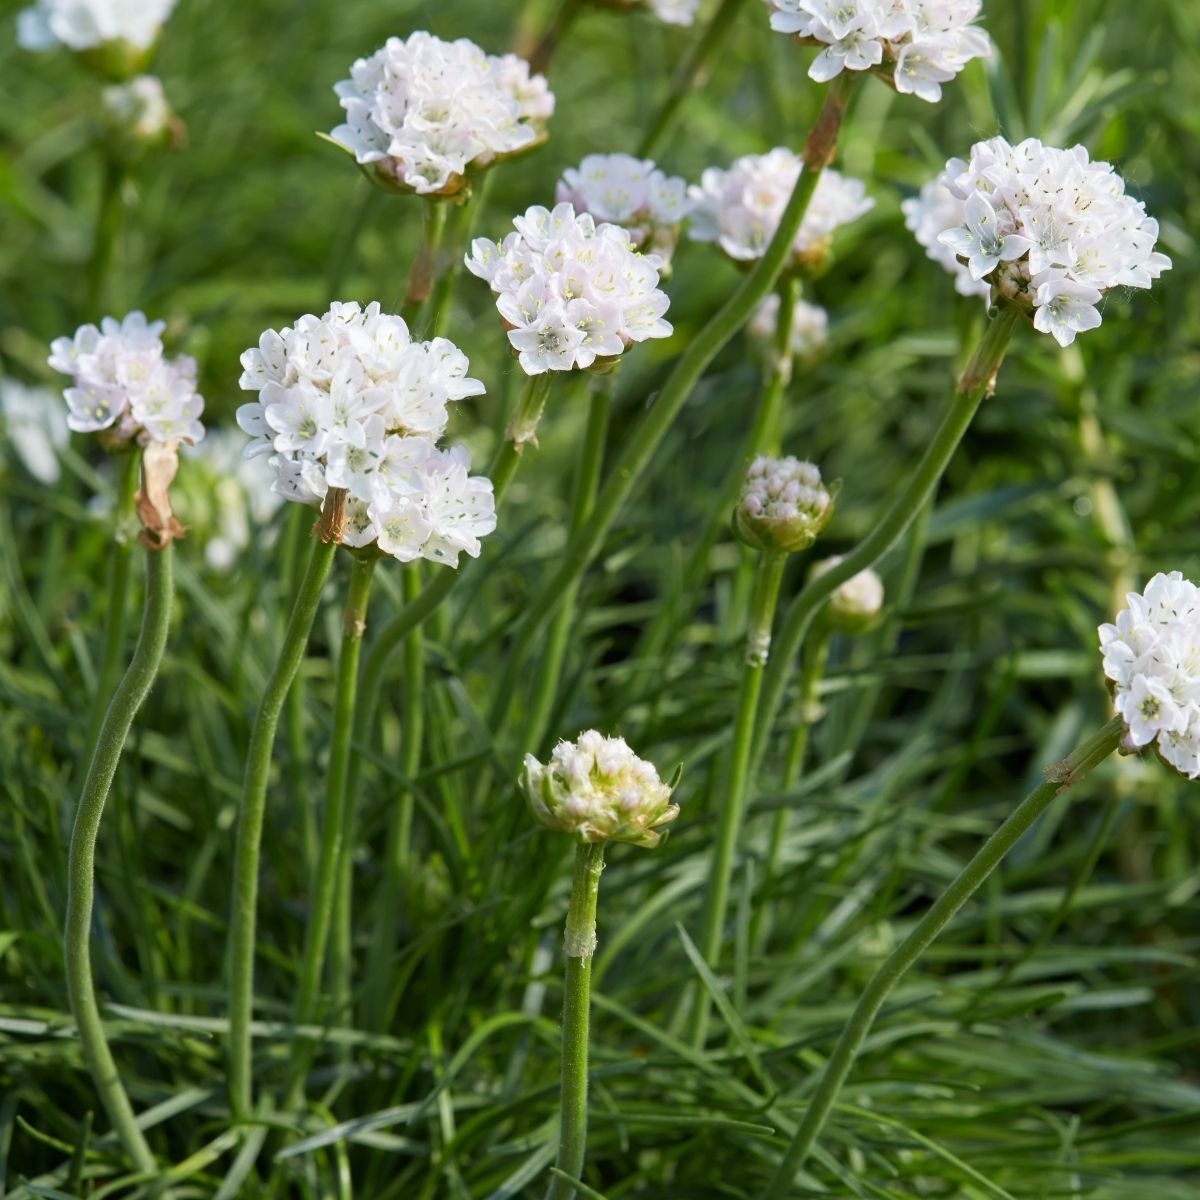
(927,216)
(1049,229)
(571,291)
(925,43)
(597,789)
(348,400)
(631,192)
(138,110)
(810,327)
(783,504)
(85,24)
(423,111)
(122,381)
(740,208)
(671,12)
(856,604)
(1152,655)
(36,427)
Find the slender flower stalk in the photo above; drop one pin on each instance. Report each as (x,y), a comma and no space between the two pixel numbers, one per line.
(424,266)
(976,382)
(334,822)
(108,229)
(244,906)
(560,25)
(1059,778)
(126,701)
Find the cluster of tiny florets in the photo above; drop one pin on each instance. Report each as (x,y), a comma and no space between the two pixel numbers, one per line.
(1152,656)
(349,401)
(570,291)
(1048,229)
(927,216)
(631,192)
(598,790)
(35,426)
(85,24)
(740,208)
(924,43)
(783,504)
(810,327)
(420,112)
(124,384)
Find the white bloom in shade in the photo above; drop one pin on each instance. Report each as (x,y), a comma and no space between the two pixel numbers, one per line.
(783,505)
(598,790)
(123,383)
(631,192)
(1047,229)
(740,208)
(572,293)
(855,605)
(917,44)
(421,112)
(84,24)
(36,427)
(1152,656)
(675,12)
(810,327)
(137,112)
(347,400)
(927,216)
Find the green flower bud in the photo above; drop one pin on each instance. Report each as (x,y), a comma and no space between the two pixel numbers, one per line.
(783,505)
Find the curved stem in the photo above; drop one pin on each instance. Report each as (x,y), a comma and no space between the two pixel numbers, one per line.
(333,827)
(640,449)
(977,381)
(81,866)
(729,825)
(580,943)
(1059,778)
(251,811)
(108,229)
(690,75)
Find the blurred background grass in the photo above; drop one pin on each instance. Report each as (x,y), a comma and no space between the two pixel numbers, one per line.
(1048,1045)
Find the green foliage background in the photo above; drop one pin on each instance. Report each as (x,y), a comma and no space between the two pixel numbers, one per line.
(1047,1046)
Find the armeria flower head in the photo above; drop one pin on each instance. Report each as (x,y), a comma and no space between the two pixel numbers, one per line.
(137,118)
(927,216)
(347,400)
(856,605)
(36,427)
(783,505)
(671,12)
(809,333)
(631,192)
(572,293)
(598,790)
(1152,657)
(1047,229)
(916,45)
(124,385)
(421,113)
(740,208)
(114,36)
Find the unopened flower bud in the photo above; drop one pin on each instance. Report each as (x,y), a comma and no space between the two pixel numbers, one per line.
(783,505)
(856,605)
(598,790)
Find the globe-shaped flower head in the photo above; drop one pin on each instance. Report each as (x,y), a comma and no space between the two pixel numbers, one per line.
(809,334)
(740,208)
(783,505)
(1049,230)
(857,604)
(572,293)
(598,790)
(631,192)
(125,387)
(1152,657)
(114,36)
(671,12)
(421,114)
(915,45)
(349,401)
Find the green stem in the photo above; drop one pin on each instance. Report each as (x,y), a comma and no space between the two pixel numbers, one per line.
(1059,778)
(108,229)
(587,481)
(248,844)
(116,616)
(81,868)
(333,828)
(690,75)
(564,18)
(729,825)
(580,943)
(424,266)
(976,382)
(447,268)
(642,445)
